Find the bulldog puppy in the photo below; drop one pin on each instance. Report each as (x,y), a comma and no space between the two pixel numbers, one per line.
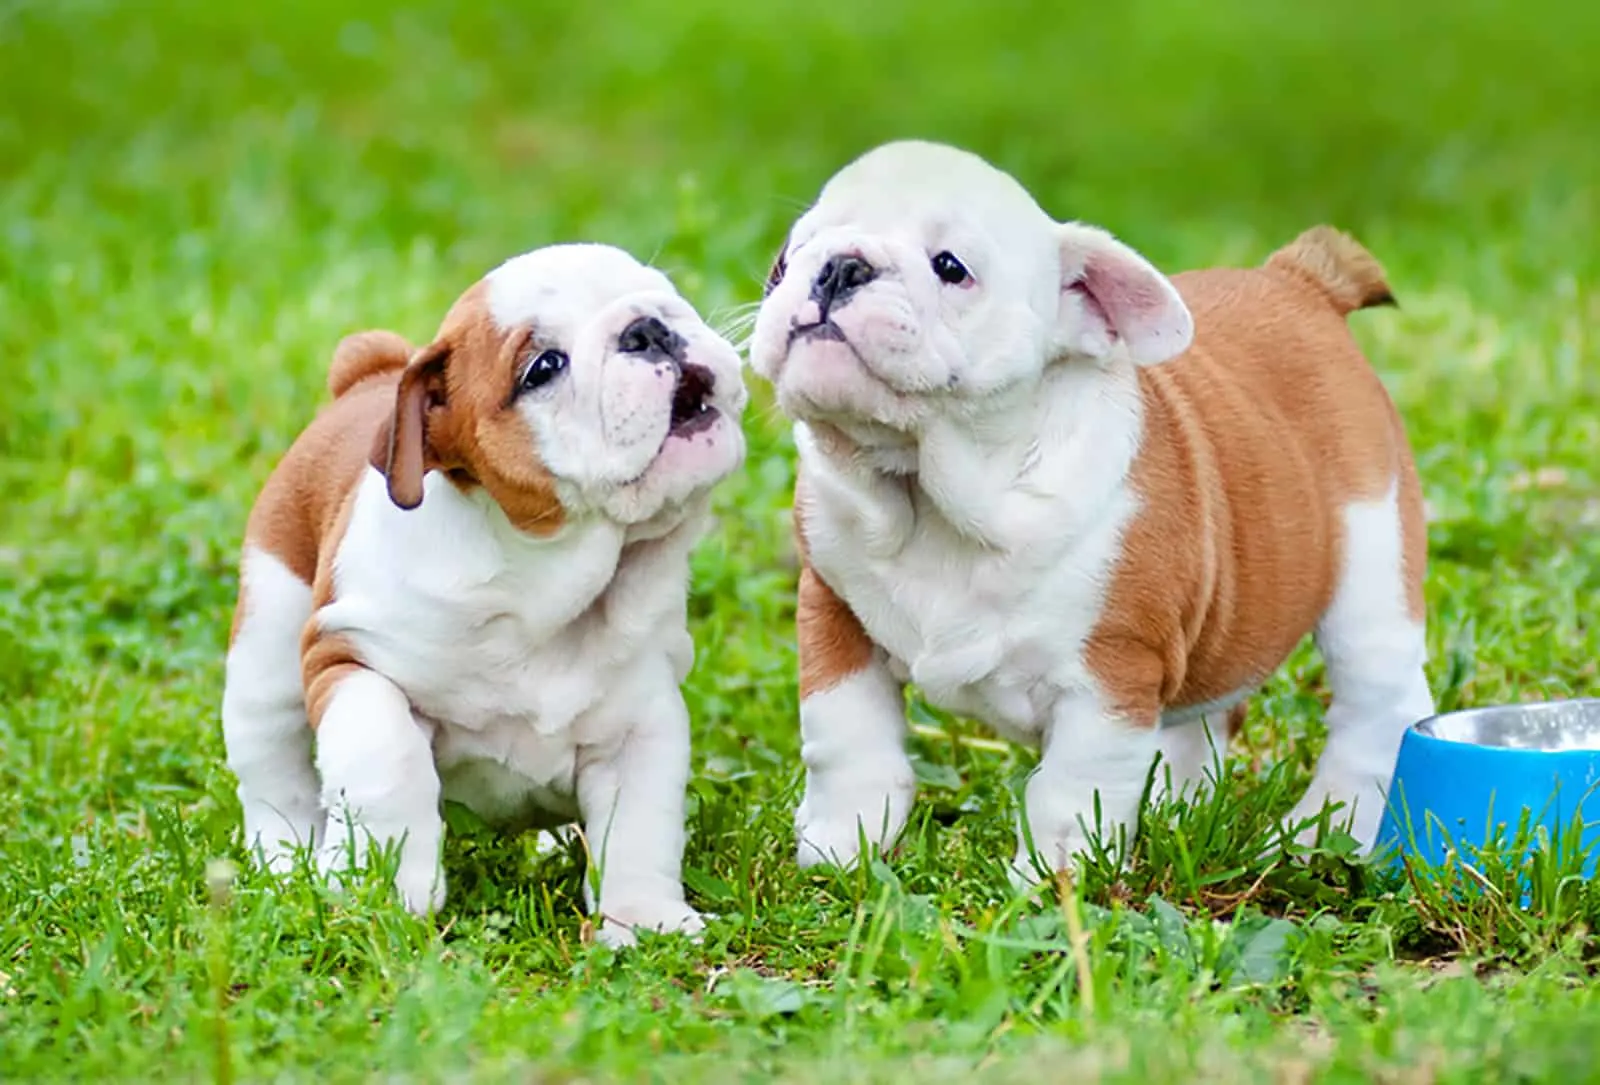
(467,580)
(1083,502)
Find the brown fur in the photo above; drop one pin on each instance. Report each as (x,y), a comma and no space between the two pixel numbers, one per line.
(1337,264)
(831,642)
(1255,440)
(363,355)
(450,408)
(303,499)
(454,412)
(780,267)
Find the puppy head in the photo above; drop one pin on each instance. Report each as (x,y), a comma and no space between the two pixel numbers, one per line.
(924,280)
(571,380)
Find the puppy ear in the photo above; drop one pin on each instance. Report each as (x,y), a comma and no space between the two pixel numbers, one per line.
(1109,293)
(420,396)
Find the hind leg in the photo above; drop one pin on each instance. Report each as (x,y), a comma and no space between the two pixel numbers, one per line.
(264,724)
(1373,644)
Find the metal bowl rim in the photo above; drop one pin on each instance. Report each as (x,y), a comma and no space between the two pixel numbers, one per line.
(1425,727)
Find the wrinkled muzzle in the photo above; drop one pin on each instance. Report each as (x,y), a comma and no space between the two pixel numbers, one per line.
(843,336)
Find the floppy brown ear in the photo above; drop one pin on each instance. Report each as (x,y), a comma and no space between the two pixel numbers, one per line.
(421,392)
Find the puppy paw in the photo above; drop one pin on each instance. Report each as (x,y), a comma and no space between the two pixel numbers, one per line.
(1025,872)
(1068,852)
(274,842)
(619,926)
(822,844)
(277,856)
(834,840)
(418,880)
(421,887)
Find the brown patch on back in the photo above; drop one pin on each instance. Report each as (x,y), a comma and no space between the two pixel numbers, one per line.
(366,354)
(1255,441)
(296,510)
(832,644)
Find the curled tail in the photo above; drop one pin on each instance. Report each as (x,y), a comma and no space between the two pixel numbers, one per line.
(363,355)
(1335,263)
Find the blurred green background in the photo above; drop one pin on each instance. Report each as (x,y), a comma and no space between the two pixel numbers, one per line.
(201,182)
(198,199)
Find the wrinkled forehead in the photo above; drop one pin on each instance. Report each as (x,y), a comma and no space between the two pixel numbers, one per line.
(925,192)
(562,286)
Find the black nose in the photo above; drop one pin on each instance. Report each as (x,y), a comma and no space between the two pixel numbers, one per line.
(647,335)
(840,277)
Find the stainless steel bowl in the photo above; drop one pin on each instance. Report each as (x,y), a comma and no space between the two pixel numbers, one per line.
(1546,727)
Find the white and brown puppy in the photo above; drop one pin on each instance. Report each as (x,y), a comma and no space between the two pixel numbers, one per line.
(1078,500)
(468,577)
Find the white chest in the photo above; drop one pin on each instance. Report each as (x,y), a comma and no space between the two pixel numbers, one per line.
(517,651)
(993,634)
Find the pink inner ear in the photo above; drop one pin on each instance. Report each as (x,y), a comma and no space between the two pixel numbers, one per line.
(1124,292)
(1133,303)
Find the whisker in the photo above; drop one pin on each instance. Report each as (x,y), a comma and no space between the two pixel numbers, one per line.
(737,324)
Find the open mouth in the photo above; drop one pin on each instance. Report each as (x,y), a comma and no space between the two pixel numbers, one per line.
(691,409)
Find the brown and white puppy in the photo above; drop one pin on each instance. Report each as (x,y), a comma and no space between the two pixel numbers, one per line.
(1078,500)
(468,577)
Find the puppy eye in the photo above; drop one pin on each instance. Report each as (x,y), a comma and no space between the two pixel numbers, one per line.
(544,368)
(775,276)
(949,269)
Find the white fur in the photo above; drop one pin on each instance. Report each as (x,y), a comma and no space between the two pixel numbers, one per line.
(379,785)
(533,680)
(264,713)
(602,428)
(1374,654)
(858,776)
(966,450)
(1087,753)
(536,679)
(986,606)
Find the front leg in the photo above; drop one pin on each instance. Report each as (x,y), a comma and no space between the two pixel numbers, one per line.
(631,795)
(379,783)
(852,728)
(1088,750)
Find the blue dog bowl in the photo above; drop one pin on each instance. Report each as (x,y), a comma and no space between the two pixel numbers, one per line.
(1463,780)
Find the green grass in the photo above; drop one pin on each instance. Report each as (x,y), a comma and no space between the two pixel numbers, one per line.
(198,200)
